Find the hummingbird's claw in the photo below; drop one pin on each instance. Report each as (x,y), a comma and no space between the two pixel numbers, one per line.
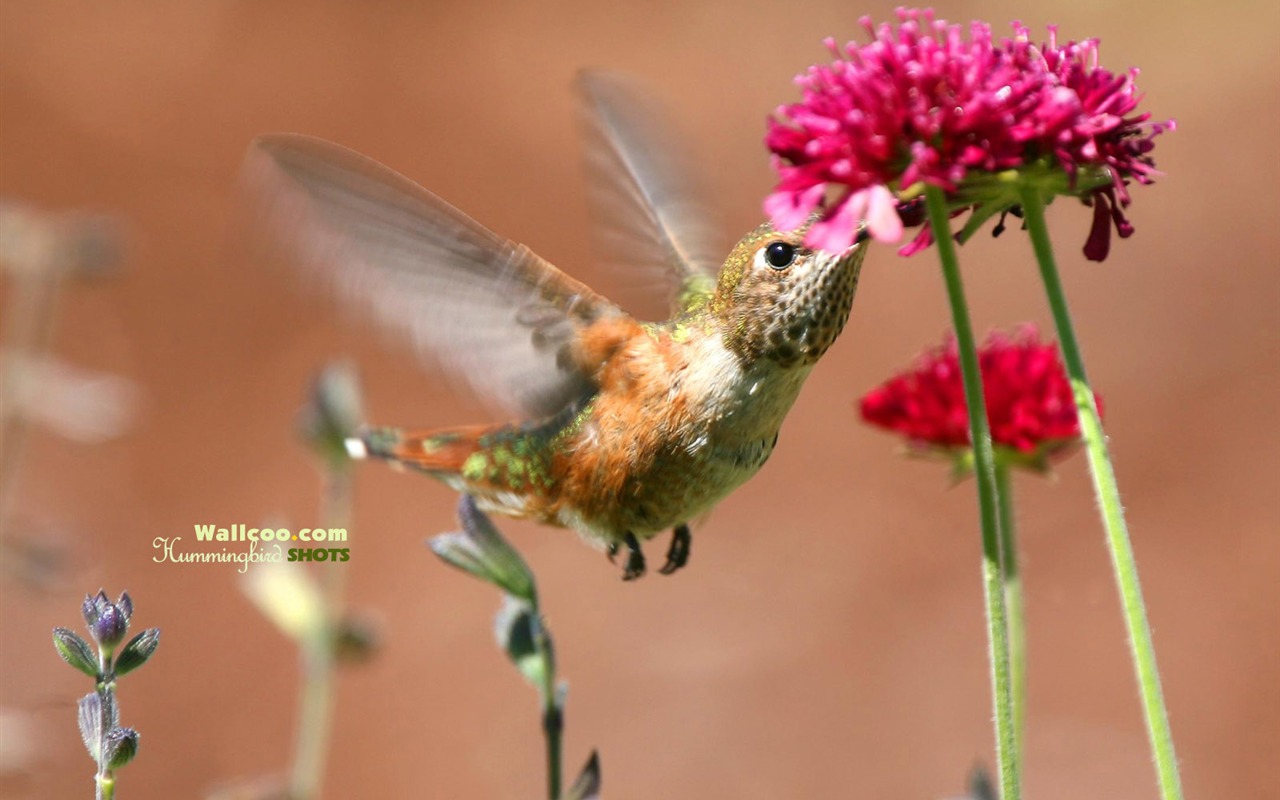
(613,552)
(635,558)
(678,552)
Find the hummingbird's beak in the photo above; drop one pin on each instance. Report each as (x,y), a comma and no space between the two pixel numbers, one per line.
(858,250)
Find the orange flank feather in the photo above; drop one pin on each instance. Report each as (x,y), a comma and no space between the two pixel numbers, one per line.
(624,463)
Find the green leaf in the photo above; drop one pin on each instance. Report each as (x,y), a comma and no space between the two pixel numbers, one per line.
(137,651)
(75,651)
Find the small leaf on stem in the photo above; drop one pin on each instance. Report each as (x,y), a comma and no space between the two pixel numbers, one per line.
(75,651)
(137,651)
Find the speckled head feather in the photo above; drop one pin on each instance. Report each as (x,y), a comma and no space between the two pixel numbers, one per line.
(791,311)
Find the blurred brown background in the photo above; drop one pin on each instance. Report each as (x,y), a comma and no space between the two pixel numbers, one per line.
(827,639)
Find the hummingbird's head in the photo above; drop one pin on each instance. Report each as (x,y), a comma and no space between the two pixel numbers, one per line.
(779,300)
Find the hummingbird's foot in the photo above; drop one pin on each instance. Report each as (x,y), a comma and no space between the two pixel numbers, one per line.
(678,552)
(635,558)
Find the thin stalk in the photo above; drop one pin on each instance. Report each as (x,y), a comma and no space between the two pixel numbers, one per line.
(1013,600)
(984,472)
(552,714)
(315,703)
(335,510)
(106,786)
(104,781)
(315,718)
(1108,493)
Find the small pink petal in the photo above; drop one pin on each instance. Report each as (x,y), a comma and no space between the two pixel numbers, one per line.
(788,210)
(836,232)
(882,215)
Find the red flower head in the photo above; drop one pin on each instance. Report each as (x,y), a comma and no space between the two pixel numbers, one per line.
(1029,403)
(924,103)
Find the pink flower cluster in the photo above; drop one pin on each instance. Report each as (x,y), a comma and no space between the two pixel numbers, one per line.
(1030,406)
(923,102)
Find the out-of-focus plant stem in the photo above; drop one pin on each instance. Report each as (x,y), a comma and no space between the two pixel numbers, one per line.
(317,656)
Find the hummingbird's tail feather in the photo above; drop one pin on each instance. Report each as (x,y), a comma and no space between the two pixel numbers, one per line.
(440,452)
(507,468)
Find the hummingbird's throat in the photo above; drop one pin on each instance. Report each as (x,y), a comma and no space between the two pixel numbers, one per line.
(808,312)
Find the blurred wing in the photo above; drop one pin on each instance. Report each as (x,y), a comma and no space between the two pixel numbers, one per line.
(651,212)
(489,309)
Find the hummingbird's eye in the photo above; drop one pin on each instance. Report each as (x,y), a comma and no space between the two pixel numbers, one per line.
(780,255)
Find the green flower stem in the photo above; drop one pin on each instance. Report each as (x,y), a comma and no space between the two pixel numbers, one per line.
(315,703)
(1013,600)
(315,718)
(1104,484)
(336,511)
(552,714)
(984,472)
(105,779)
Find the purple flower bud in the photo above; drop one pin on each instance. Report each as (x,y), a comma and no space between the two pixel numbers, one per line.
(125,604)
(90,609)
(108,622)
(109,629)
(481,550)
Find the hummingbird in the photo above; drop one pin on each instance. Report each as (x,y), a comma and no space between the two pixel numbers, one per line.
(621,429)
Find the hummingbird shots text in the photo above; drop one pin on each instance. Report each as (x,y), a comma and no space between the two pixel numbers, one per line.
(264,545)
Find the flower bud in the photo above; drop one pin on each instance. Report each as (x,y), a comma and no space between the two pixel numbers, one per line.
(119,747)
(332,413)
(108,622)
(92,607)
(481,550)
(125,605)
(517,627)
(110,627)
